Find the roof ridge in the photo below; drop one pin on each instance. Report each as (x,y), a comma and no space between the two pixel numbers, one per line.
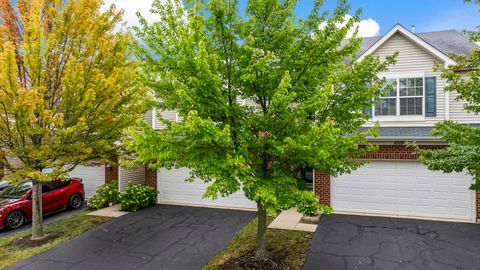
(417,33)
(437,31)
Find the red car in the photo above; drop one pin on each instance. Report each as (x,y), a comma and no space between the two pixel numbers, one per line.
(16,202)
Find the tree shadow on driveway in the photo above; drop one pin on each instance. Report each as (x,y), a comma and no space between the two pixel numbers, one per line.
(159,237)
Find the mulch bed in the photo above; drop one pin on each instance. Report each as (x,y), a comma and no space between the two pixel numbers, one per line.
(274,260)
(310,220)
(27,242)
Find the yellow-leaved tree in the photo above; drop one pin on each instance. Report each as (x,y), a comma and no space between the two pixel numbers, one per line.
(67,89)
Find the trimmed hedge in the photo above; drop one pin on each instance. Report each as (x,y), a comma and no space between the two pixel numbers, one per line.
(137,197)
(104,195)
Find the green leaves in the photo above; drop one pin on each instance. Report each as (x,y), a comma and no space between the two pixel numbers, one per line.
(262,95)
(104,195)
(137,197)
(68,86)
(462,153)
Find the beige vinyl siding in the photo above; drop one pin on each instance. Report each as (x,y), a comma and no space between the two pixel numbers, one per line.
(458,112)
(415,60)
(411,58)
(169,115)
(457,108)
(135,176)
(147,117)
(251,103)
(246,102)
(173,116)
(14,162)
(240,100)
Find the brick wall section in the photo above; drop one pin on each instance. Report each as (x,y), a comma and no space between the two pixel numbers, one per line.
(399,152)
(151,178)
(322,187)
(478,206)
(111,171)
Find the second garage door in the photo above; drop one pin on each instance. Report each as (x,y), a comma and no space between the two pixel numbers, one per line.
(404,188)
(173,189)
(92,177)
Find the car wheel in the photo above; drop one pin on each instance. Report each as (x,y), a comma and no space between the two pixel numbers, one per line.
(75,201)
(14,220)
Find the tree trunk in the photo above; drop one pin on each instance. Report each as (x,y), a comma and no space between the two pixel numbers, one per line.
(261,251)
(37,217)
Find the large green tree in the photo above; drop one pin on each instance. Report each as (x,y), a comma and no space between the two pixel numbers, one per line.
(67,89)
(463,151)
(304,98)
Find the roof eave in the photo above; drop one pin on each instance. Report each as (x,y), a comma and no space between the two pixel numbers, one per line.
(400,28)
(404,138)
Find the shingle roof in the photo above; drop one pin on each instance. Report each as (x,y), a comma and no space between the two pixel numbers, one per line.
(403,132)
(408,132)
(447,41)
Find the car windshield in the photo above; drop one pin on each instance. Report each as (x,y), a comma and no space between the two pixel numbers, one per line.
(16,191)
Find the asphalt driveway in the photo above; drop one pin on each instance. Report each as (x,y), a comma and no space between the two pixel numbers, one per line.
(160,237)
(360,242)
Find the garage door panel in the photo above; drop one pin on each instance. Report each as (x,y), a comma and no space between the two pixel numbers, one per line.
(174,189)
(402,188)
(92,176)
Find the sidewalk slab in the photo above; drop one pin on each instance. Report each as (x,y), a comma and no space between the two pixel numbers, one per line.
(291,220)
(306,227)
(282,225)
(112,211)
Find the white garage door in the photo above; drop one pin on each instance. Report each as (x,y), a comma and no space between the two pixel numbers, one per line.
(173,189)
(93,176)
(403,188)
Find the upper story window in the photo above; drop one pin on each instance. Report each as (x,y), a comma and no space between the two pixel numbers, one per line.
(411,96)
(387,104)
(405,98)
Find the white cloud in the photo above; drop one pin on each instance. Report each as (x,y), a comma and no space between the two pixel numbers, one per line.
(366,28)
(131,7)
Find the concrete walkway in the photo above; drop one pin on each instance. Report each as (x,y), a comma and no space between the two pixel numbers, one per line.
(159,237)
(291,220)
(112,211)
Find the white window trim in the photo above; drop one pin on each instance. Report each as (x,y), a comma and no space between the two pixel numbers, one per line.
(398,116)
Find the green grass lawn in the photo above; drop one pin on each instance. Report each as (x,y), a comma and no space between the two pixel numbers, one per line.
(69,227)
(293,244)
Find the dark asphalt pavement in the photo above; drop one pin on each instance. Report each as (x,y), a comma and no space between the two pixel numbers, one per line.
(361,242)
(159,237)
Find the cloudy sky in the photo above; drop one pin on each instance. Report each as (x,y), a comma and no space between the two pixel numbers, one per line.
(378,16)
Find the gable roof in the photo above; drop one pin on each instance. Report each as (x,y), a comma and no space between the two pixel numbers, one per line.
(438,43)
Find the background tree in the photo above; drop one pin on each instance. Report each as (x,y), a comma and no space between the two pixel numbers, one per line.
(66,89)
(306,101)
(463,151)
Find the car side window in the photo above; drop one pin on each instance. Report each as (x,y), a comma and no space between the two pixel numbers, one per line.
(57,184)
(46,189)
